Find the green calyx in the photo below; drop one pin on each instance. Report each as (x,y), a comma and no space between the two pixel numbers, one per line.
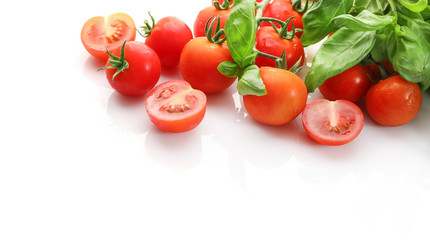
(147,28)
(297,5)
(283,29)
(219,35)
(281,62)
(118,63)
(224,6)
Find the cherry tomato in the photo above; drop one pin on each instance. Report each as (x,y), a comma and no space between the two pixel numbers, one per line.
(203,17)
(332,122)
(393,101)
(142,74)
(285,99)
(282,10)
(174,106)
(269,41)
(388,66)
(98,33)
(199,65)
(350,85)
(168,38)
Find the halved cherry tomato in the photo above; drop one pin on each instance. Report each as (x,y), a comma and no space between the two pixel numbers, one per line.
(285,99)
(332,122)
(393,101)
(282,10)
(174,106)
(143,70)
(351,84)
(168,38)
(98,33)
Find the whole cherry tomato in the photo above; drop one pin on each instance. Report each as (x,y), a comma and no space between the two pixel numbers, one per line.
(282,10)
(135,69)
(386,64)
(285,99)
(205,14)
(99,33)
(268,41)
(393,101)
(350,85)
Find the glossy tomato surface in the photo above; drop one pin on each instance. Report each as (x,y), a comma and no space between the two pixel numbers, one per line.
(199,65)
(174,106)
(350,85)
(268,41)
(99,33)
(168,38)
(282,10)
(204,15)
(393,101)
(332,122)
(142,74)
(285,99)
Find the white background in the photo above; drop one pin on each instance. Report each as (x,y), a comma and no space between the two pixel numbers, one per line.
(79,161)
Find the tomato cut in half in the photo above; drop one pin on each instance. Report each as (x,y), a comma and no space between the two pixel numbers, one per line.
(174,106)
(99,33)
(332,122)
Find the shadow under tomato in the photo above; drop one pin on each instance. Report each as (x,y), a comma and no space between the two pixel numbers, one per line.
(91,66)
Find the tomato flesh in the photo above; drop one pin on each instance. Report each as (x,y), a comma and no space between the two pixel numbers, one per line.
(332,122)
(174,106)
(99,33)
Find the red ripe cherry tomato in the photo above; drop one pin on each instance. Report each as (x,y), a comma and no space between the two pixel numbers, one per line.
(168,38)
(393,101)
(332,122)
(269,41)
(285,99)
(98,33)
(282,10)
(199,65)
(350,85)
(388,66)
(174,106)
(203,17)
(142,74)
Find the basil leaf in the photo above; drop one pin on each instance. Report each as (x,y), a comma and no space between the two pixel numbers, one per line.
(240,29)
(379,51)
(426,13)
(371,5)
(251,83)
(229,69)
(414,5)
(343,50)
(408,54)
(365,21)
(317,21)
(405,15)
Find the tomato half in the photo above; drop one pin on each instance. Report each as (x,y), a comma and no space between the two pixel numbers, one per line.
(282,10)
(332,122)
(350,85)
(393,101)
(99,33)
(285,99)
(269,41)
(174,106)
(168,38)
(199,65)
(142,73)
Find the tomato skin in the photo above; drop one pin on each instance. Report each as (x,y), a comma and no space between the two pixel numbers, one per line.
(282,10)
(168,38)
(332,123)
(199,65)
(203,17)
(350,85)
(99,33)
(377,72)
(269,41)
(175,93)
(285,99)
(143,72)
(393,101)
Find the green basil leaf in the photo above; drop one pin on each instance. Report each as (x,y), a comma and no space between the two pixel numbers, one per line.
(365,21)
(317,21)
(426,13)
(240,30)
(371,5)
(409,55)
(229,69)
(414,5)
(343,50)
(379,51)
(251,83)
(404,14)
